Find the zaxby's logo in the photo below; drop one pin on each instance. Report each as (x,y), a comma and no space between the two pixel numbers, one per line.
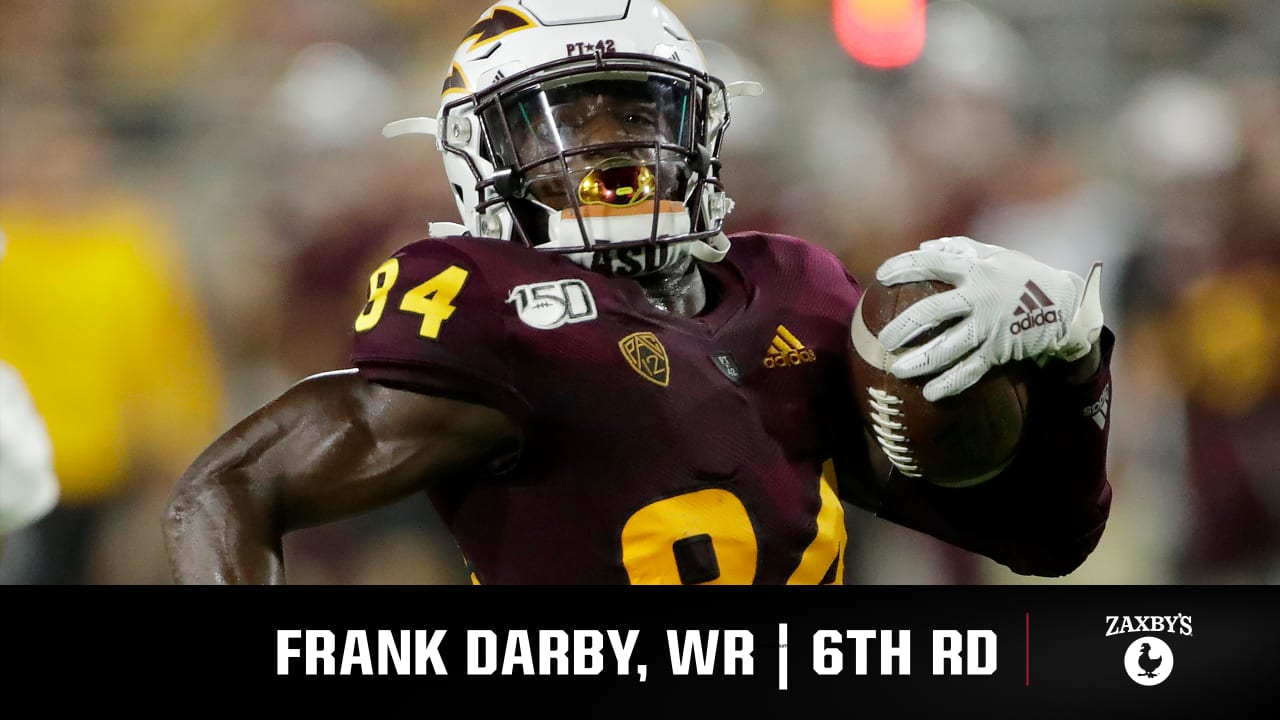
(1148,660)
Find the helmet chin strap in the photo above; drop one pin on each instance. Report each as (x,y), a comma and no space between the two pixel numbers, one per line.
(651,261)
(565,229)
(712,250)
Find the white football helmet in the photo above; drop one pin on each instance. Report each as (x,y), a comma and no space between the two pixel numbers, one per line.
(588,128)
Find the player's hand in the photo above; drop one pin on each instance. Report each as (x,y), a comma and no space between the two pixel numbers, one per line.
(1007,306)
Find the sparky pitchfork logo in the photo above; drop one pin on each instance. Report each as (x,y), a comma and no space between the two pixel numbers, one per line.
(1148,661)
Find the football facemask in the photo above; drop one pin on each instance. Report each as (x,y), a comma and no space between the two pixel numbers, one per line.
(600,166)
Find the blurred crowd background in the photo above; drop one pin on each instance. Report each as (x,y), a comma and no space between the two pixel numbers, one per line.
(194,192)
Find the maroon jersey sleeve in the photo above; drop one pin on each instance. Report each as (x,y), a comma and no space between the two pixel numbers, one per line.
(432,324)
(1046,513)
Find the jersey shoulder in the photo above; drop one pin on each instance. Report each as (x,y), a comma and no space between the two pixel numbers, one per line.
(793,267)
(432,321)
(769,254)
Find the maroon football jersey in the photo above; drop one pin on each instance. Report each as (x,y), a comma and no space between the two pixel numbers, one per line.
(658,448)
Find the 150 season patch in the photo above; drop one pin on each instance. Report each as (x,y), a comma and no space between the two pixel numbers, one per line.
(591,652)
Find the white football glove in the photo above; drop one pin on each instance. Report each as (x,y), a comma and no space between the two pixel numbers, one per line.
(1010,306)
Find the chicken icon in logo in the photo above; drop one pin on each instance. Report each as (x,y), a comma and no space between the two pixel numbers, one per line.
(1149,661)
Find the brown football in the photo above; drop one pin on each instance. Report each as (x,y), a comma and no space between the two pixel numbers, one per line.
(962,440)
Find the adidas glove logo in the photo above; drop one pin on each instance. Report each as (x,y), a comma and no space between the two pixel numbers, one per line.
(1035,310)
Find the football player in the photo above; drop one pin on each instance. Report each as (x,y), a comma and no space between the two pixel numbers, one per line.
(594,384)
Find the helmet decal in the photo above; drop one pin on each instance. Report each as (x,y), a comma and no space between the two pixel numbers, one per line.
(499,23)
(456,82)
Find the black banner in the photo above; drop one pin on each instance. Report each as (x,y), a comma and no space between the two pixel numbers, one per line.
(1128,652)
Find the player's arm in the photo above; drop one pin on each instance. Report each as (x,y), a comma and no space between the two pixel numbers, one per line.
(1046,513)
(330,447)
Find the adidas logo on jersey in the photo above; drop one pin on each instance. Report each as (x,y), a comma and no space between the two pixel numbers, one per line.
(787,351)
(1035,309)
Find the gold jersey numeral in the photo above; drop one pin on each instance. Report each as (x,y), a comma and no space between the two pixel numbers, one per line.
(433,299)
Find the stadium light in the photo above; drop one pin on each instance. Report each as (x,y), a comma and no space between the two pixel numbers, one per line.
(882,34)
